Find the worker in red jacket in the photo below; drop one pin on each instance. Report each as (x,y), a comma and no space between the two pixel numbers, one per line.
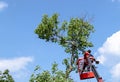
(86,55)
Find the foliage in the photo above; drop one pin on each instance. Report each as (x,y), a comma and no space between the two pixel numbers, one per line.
(72,35)
(48,28)
(5,76)
(55,75)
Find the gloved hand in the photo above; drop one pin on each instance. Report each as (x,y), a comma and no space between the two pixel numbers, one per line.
(97,62)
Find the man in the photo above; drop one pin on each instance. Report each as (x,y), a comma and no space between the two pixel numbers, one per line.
(85,60)
(87,55)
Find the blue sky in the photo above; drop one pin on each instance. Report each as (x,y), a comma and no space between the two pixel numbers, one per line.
(21,50)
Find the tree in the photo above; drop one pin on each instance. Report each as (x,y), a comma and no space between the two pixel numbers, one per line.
(72,35)
(54,75)
(5,76)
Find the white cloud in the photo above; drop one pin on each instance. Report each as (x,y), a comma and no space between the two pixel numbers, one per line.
(109,55)
(18,67)
(15,64)
(116,71)
(110,48)
(3,5)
